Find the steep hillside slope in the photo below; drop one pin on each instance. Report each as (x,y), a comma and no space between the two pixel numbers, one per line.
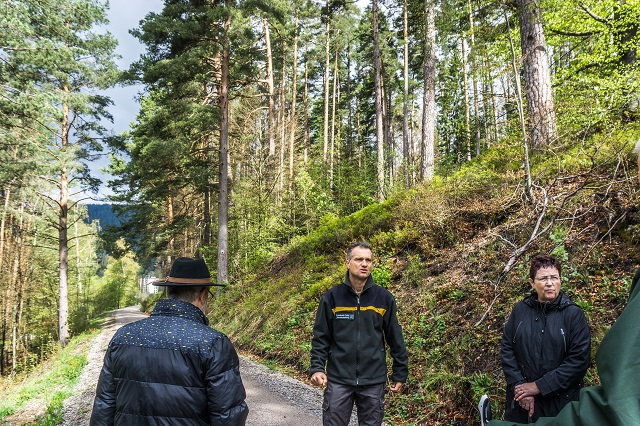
(455,254)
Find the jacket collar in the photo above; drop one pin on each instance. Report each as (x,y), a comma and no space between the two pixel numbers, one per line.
(179,308)
(367,285)
(561,302)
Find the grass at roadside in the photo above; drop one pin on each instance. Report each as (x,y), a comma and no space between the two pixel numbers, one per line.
(47,386)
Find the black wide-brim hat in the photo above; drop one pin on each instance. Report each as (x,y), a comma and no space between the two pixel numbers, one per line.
(188,272)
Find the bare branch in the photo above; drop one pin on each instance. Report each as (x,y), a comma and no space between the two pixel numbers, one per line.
(593,14)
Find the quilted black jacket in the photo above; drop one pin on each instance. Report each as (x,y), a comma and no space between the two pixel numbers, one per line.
(170,369)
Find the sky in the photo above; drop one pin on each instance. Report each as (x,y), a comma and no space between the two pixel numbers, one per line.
(123,16)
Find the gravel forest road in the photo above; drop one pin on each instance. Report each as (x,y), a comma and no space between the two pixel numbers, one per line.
(273,398)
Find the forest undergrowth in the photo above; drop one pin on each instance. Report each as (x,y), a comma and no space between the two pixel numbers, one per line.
(455,255)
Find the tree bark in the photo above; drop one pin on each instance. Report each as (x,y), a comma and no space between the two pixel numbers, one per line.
(223,193)
(270,89)
(206,229)
(171,238)
(429,94)
(305,155)
(282,119)
(405,106)
(537,75)
(327,61)
(467,107)
(333,120)
(474,78)
(520,108)
(378,106)
(292,135)
(63,286)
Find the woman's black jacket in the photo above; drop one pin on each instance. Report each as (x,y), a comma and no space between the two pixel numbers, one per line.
(549,344)
(170,369)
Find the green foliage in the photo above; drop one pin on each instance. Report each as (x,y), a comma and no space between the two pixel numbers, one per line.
(118,287)
(481,384)
(437,250)
(382,275)
(560,252)
(54,414)
(50,384)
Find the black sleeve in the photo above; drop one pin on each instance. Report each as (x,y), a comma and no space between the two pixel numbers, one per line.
(225,390)
(512,372)
(104,405)
(321,341)
(397,349)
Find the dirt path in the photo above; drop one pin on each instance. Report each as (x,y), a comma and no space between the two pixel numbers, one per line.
(273,398)
(77,408)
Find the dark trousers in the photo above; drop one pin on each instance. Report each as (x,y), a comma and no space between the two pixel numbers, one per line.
(339,400)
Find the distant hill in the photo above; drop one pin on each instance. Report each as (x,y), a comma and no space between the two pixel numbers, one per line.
(102,213)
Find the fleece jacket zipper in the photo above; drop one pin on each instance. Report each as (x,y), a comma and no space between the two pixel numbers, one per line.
(358,341)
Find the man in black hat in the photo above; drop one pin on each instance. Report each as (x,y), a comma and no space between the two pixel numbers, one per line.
(172,368)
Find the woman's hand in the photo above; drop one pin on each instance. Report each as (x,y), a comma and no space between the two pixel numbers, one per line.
(528,403)
(524,394)
(525,389)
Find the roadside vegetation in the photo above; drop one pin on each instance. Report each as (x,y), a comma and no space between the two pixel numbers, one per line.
(36,398)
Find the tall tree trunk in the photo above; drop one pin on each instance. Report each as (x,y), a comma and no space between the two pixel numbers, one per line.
(333,120)
(206,217)
(520,108)
(18,282)
(171,243)
(467,107)
(7,196)
(429,93)
(307,138)
(5,301)
(223,194)
(17,312)
(379,100)
(281,119)
(405,106)
(474,77)
(537,75)
(387,119)
(292,135)
(327,61)
(270,89)
(349,134)
(63,286)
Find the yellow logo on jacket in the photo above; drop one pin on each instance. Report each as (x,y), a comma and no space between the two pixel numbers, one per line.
(337,309)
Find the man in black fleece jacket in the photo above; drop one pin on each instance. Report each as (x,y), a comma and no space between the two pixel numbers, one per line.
(355,322)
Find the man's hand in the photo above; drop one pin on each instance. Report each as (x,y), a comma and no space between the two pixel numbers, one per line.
(319,379)
(396,387)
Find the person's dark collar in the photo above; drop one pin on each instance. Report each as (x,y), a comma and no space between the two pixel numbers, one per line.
(559,302)
(179,308)
(368,284)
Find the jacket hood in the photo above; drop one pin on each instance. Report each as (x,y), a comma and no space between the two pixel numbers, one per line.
(561,302)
